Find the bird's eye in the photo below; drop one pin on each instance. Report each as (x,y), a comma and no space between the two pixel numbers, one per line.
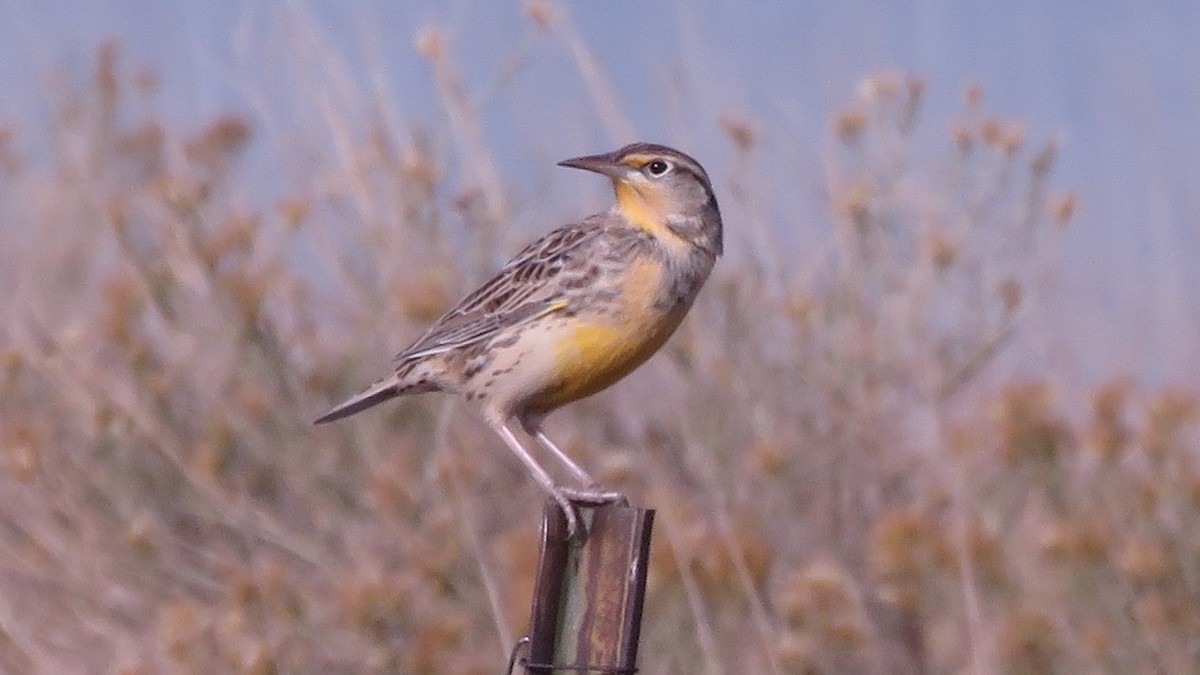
(658,167)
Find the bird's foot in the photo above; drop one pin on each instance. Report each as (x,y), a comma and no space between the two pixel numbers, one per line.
(563,499)
(594,496)
(567,498)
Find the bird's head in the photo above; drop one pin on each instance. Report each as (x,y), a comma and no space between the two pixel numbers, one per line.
(660,190)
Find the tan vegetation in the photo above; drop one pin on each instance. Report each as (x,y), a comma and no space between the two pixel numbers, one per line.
(840,490)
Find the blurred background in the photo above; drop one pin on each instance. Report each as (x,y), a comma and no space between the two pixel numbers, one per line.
(936,411)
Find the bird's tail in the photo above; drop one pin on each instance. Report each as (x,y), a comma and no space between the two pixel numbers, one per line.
(382,390)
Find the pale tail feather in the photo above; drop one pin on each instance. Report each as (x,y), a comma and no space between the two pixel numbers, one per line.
(382,390)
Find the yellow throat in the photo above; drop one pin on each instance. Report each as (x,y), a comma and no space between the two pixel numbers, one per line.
(646,209)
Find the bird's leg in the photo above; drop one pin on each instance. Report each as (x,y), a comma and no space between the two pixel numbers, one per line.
(591,493)
(561,496)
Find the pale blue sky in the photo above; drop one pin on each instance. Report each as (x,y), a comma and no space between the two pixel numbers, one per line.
(1118,82)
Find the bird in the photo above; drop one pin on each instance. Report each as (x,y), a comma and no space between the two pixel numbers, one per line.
(573,312)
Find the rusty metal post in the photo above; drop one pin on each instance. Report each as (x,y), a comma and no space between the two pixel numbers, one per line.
(587,605)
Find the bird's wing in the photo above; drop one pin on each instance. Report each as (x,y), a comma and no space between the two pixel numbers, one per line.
(526,288)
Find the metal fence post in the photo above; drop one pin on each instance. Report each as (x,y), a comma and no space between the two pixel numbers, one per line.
(587,604)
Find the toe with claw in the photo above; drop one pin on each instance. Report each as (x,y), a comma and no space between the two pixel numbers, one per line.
(564,502)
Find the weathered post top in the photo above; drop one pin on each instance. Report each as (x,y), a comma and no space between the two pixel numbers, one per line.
(587,604)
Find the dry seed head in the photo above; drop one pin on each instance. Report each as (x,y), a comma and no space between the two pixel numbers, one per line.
(991,131)
(374,605)
(912,105)
(144,145)
(757,554)
(1043,162)
(1014,135)
(293,211)
(1002,135)
(124,302)
(907,548)
(181,192)
(542,12)
(258,660)
(741,132)
(1010,295)
(255,400)
(1143,560)
(247,291)
(223,138)
(854,203)
(974,95)
(236,235)
(819,588)
(849,124)
(880,86)
(117,212)
(964,440)
(436,638)
(821,601)
(1062,208)
(801,306)
(11,363)
(22,445)
(1146,498)
(1076,541)
(468,199)
(1098,641)
(1029,643)
(1108,435)
(707,555)
(1172,408)
(431,43)
(260,585)
(942,249)
(230,626)
(987,549)
(1029,430)
(963,136)
(179,627)
(1158,613)
(420,169)
(798,655)
(1110,399)
(141,354)
(209,459)
(74,335)
(139,534)
(1167,415)
(771,456)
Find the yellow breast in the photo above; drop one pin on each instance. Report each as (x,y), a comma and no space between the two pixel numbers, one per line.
(601,348)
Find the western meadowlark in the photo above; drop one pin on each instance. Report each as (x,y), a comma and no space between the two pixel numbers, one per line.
(573,312)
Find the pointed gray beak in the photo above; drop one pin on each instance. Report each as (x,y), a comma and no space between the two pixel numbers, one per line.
(605,164)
